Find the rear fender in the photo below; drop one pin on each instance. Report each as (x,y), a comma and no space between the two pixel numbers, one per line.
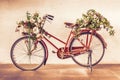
(97,34)
(102,39)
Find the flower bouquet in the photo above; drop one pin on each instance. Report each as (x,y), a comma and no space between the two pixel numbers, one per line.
(94,21)
(30,25)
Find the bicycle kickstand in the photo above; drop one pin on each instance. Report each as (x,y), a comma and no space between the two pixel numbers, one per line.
(90,60)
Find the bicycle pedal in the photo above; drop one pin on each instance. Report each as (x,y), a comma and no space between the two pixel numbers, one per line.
(54,52)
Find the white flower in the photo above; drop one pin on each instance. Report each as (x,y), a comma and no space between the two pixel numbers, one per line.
(102,26)
(35,30)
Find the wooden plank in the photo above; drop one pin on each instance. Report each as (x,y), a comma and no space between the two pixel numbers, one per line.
(61,72)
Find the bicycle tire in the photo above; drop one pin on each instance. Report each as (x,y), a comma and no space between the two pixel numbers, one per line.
(24,65)
(78,59)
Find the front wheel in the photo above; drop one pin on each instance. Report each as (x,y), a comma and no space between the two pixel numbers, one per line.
(26,55)
(92,56)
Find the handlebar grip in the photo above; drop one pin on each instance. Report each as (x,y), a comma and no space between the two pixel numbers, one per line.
(50,16)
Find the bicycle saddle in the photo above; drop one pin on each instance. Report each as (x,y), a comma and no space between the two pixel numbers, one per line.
(70,25)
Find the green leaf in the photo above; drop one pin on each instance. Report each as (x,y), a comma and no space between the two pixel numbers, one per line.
(28,15)
(93,20)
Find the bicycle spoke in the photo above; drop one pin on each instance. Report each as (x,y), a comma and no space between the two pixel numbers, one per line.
(21,58)
(21,54)
(37,50)
(37,61)
(30,59)
(22,48)
(95,46)
(37,55)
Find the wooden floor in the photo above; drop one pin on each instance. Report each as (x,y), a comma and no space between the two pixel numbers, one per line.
(61,72)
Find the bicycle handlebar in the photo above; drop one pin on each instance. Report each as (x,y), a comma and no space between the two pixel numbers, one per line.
(50,17)
(47,16)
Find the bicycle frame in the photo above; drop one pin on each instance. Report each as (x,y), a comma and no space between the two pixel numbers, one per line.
(85,46)
(71,36)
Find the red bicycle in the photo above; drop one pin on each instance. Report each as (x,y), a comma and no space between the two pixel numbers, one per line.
(86,50)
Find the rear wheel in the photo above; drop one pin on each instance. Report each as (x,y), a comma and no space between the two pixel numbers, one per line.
(92,56)
(26,56)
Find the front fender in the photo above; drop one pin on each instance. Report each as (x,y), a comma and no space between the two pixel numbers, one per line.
(46,51)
